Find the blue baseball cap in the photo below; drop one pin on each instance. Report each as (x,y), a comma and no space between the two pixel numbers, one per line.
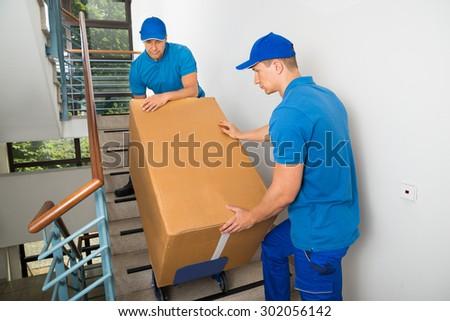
(153,28)
(270,46)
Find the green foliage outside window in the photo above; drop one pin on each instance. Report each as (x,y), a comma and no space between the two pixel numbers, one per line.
(49,150)
(84,143)
(43,150)
(106,39)
(98,38)
(100,9)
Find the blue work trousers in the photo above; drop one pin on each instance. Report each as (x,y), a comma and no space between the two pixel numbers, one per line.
(318,275)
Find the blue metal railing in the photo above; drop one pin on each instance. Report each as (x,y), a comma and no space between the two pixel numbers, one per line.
(56,49)
(69,279)
(64,38)
(111,88)
(67,273)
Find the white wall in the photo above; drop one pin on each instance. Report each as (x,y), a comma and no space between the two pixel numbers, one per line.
(22,195)
(4,166)
(28,105)
(389,63)
(3,265)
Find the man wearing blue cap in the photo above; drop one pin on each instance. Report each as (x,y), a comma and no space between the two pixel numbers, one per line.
(168,69)
(314,177)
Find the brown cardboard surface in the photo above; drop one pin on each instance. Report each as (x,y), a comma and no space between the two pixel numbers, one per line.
(183,207)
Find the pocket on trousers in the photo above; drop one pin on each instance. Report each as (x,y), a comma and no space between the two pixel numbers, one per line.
(314,276)
(316,284)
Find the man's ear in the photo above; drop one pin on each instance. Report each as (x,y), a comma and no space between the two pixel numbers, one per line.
(279,67)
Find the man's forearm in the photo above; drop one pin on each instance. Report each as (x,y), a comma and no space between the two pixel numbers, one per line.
(273,202)
(260,134)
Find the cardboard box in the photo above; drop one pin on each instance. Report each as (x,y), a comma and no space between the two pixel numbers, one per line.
(182,200)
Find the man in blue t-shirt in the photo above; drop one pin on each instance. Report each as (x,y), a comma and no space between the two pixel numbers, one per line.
(168,69)
(314,177)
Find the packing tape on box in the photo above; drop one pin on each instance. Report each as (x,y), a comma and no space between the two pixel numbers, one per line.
(220,246)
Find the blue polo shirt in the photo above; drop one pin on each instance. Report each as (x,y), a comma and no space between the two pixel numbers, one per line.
(310,127)
(165,74)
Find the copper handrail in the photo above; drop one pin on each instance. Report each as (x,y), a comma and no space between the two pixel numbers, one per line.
(50,212)
(62,227)
(44,208)
(69,15)
(105,51)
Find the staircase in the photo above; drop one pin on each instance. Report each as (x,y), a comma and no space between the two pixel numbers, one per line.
(131,267)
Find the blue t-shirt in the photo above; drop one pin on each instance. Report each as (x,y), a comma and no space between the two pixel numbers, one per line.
(310,127)
(165,74)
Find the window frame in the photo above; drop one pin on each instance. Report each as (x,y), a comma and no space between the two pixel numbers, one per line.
(77,161)
(109,24)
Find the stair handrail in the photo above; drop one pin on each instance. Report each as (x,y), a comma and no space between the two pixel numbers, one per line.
(45,215)
(72,276)
(70,16)
(106,51)
(56,48)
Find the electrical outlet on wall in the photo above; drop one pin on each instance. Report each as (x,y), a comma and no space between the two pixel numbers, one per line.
(408,192)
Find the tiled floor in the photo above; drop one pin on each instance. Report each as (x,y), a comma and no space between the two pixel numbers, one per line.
(28,289)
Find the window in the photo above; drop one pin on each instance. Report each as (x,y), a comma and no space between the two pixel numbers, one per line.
(41,155)
(101,9)
(108,25)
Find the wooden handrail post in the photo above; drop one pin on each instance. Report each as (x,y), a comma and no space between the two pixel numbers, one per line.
(49,212)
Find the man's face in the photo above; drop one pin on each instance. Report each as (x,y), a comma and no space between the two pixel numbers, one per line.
(265,77)
(155,48)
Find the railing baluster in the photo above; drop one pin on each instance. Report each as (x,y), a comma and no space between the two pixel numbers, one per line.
(49,215)
(103,235)
(63,292)
(71,237)
(57,47)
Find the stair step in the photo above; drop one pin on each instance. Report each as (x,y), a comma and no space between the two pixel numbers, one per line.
(127,236)
(97,293)
(121,208)
(115,158)
(113,138)
(253,294)
(112,198)
(94,266)
(141,295)
(238,277)
(244,274)
(112,121)
(108,171)
(93,271)
(125,282)
(197,289)
(116,179)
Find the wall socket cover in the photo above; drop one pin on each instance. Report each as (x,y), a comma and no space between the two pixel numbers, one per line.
(408,191)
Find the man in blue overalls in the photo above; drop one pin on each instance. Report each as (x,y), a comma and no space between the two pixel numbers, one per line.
(168,69)
(314,176)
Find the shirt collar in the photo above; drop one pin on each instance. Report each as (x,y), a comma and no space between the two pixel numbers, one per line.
(304,80)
